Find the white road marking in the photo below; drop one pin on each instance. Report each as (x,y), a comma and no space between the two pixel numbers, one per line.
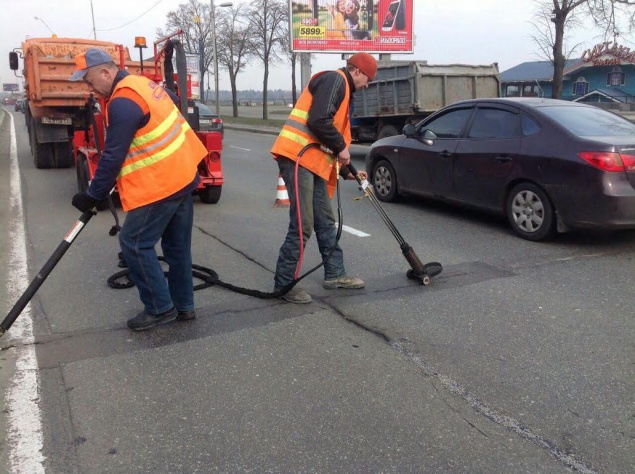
(239,148)
(24,430)
(353,231)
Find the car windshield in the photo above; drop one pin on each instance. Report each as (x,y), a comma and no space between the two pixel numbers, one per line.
(590,121)
(204,109)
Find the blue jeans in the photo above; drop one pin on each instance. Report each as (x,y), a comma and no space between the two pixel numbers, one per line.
(317,214)
(171,222)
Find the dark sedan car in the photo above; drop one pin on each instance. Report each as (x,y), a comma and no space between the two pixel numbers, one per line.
(208,120)
(548,165)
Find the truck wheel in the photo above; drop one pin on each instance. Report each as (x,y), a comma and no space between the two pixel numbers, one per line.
(531,213)
(42,152)
(385,181)
(210,194)
(387,131)
(63,154)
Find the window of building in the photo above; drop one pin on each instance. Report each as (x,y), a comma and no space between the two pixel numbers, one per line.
(616,77)
(512,90)
(580,86)
(530,90)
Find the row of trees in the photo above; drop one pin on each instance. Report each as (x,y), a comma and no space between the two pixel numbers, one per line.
(259,31)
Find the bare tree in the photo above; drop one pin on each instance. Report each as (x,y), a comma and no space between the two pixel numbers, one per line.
(193,19)
(234,41)
(544,35)
(609,16)
(270,23)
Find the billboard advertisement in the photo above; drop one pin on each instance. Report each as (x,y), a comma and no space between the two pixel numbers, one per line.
(349,26)
(10,88)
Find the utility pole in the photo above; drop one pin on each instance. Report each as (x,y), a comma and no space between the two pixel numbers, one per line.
(92,12)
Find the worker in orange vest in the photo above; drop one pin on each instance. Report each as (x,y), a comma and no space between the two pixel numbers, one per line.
(321,117)
(152,154)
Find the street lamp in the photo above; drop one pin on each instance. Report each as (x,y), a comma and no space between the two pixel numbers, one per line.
(225,4)
(49,28)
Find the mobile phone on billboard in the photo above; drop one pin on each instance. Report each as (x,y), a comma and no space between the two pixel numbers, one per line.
(400,22)
(391,15)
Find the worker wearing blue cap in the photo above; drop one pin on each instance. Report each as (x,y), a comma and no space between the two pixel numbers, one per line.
(152,154)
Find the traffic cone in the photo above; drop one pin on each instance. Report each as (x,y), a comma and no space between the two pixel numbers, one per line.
(282,197)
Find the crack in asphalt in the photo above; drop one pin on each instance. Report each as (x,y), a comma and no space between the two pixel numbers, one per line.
(479,406)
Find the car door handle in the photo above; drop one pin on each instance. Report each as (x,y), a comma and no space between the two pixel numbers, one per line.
(445,154)
(503,159)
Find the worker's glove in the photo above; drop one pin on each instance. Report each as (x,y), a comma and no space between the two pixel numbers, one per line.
(84,202)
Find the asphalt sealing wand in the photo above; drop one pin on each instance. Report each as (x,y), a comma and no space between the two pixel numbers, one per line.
(45,271)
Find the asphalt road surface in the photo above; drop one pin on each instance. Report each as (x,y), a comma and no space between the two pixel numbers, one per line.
(517,358)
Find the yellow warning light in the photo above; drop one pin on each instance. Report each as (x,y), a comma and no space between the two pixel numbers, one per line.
(140,42)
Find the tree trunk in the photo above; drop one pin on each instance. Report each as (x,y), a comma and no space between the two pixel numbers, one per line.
(232,80)
(265,112)
(558,56)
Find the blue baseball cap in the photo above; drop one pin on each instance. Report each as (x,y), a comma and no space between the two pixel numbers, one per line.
(92,57)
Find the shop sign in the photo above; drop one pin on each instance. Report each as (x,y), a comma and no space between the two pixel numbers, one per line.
(608,53)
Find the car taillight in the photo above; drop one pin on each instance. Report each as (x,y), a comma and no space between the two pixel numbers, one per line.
(629,162)
(603,160)
(214,157)
(217,120)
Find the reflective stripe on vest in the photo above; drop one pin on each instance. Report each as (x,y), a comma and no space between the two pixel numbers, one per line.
(151,151)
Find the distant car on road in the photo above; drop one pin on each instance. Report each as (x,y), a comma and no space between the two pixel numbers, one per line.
(548,165)
(208,120)
(19,105)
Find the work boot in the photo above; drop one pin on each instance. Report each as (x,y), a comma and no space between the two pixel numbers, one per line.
(186,315)
(143,320)
(349,283)
(296,295)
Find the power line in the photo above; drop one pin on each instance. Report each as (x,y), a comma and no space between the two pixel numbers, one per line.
(132,21)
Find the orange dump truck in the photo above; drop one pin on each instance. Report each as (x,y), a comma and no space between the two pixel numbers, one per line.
(66,128)
(55,107)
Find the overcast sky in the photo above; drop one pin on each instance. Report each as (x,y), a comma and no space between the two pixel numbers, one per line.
(447,31)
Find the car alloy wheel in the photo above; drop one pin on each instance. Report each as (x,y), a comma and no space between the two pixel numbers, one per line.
(530,212)
(385,181)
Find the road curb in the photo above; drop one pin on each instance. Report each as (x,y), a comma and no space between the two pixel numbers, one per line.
(246,128)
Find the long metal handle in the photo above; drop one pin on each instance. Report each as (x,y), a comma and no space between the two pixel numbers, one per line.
(45,271)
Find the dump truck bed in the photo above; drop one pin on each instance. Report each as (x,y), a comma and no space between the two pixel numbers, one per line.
(49,63)
(413,87)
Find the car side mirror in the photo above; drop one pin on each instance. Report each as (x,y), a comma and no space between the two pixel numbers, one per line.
(13,61)
(409,130)
(428,137)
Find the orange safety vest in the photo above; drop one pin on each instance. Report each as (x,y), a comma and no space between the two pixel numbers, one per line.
(295,135)
(164,155)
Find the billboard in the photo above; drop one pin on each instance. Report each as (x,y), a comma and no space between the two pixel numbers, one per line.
(349,26)
(10,87)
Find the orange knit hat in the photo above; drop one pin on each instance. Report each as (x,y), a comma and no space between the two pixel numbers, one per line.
(365,63)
